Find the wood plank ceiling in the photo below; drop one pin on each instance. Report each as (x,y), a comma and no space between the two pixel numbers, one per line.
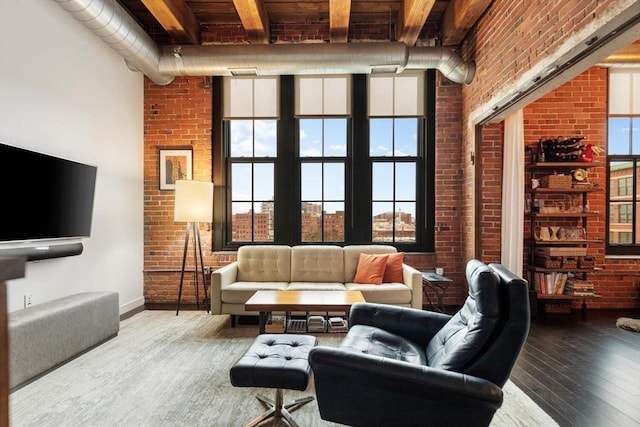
(184,21)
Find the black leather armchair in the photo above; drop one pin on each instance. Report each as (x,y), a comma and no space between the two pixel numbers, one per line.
(402,366)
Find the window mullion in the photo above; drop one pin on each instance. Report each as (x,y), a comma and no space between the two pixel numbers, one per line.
(287,175)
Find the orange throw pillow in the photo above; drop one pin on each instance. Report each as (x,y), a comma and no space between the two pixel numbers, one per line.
(393,271)
(370,269)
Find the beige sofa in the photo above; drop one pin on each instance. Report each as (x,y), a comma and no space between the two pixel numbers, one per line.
(305,267)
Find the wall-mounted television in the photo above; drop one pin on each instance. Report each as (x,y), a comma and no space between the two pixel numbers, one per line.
(44,197)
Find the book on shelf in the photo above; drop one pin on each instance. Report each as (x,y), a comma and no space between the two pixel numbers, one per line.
(337,324)
(297,326)
(316,324)
(579,288)
(550,283)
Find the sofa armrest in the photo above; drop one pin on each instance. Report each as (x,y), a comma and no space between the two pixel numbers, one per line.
(220,278)
(357,389)
(413,279)
(418,326)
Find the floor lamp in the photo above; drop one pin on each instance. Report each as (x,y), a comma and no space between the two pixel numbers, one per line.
(193,204)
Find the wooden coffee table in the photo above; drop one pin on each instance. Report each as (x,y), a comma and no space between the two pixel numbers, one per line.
(267,302)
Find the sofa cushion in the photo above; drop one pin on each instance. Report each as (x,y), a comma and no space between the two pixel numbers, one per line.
(386,293)
(317,263)
(316,286)
(352,254)
(271,263)
(240,292)
(370,268)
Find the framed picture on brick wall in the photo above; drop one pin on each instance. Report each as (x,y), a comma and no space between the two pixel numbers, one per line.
(175,164)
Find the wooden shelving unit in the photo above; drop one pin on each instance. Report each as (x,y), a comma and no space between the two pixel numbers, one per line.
(543,269)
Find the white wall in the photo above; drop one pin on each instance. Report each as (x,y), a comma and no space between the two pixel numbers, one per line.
(66,93)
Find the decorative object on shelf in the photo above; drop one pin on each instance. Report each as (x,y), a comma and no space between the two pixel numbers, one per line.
(558,262)
(193,204)
(579,175)
(175,164)
(545,234)
(562,149)
(572,233)
(567,149)
(558,181)
(586,261)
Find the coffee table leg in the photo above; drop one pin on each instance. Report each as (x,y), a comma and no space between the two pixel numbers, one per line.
(262,320)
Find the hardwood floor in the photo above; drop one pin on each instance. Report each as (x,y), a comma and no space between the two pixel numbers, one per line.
(583,371)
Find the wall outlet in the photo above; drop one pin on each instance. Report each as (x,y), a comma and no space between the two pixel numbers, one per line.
(440,271)
(28,300)
(207,271)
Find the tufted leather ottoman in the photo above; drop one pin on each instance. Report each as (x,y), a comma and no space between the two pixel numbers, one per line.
(277,361)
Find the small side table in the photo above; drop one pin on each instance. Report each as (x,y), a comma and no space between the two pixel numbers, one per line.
(437,284)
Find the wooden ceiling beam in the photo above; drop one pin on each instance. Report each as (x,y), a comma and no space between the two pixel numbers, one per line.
(458,19)
(255,20)
(411,19)
(339,14)
(177,19)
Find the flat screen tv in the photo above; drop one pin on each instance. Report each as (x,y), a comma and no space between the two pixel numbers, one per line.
(44,197)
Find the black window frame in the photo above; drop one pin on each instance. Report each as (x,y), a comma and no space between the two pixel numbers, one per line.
(358,207)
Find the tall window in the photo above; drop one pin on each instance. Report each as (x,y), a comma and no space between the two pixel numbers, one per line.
(323,109)
(323,153)
(328,165)
(396,107)
(623,162)
(251,140)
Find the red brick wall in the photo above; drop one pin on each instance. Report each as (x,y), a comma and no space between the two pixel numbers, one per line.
(175,116)
(579,107)
(448,188)
(180,115)
(511,38)
(490,199)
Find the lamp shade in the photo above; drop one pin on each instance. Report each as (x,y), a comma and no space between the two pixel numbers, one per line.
(194,201)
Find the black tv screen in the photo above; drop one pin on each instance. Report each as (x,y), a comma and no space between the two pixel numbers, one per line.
(44,197)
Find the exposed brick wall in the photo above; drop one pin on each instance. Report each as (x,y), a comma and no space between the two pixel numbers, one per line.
(448,187)
(579,108)
(490,202)
(175,116)
(511,38)
(180,115)
(309,32)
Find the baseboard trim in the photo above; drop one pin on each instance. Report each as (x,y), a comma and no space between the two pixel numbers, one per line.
(131,313)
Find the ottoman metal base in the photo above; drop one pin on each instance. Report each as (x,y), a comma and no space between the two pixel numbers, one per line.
(278,410)
(276,361)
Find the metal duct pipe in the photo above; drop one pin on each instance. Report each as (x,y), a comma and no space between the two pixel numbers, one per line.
(322,59)
(449,63)
(109,21)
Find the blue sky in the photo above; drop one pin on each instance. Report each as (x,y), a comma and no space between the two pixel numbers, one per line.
(620,130)
(326,138)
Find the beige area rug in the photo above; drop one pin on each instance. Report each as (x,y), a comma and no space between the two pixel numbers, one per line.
(168,370)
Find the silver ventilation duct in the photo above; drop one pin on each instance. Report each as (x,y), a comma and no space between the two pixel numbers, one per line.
(109,21)
(321,59)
